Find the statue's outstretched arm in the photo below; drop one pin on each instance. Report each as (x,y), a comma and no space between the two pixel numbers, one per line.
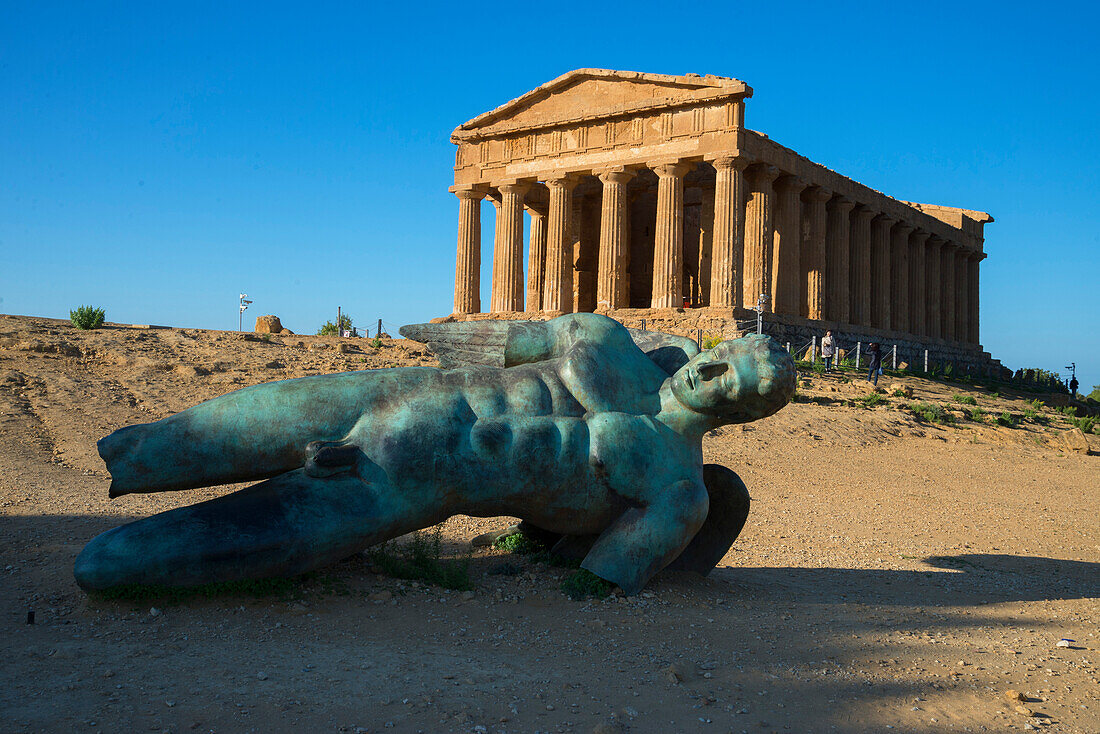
(646,539)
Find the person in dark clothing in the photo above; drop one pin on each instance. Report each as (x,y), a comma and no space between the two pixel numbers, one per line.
(1073,387)
(874,361)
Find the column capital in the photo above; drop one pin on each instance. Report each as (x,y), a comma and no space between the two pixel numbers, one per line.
(934,240)
(818,193)
(567,181)
(919,236)
(764,173)
(791,182)
(841,205)
(671,169)
(902,229)
(864,212)
(475,193)
(616,174)
(886,219)
(730,161)
(514,187)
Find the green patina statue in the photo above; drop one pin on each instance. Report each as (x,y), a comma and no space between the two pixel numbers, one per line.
(589,432)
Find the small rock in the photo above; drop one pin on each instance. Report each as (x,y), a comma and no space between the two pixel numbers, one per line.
(1015,696)
(468,595)
(1064,643)
(1025,711)
(674,674)
(381,596)
(261,676)
(1075,441)
(154,612)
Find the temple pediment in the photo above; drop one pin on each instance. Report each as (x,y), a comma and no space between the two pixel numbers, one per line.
(587,94)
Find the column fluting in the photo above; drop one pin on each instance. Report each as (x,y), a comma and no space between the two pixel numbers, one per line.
(812,260)
(786,244)
(468,259)
(611,290)
(837,254)
(947,291)
(859,267)
(558,291)
(918,292)
(728,239)
(536,261)
(962,307)
(933,286)
(880,315)
(758,236)
(899,276)
(507,293)
(668,236)
(972,302)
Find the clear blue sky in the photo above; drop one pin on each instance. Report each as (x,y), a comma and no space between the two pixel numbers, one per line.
(158,160)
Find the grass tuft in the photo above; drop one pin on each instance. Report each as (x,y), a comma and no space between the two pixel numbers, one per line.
(584,584)
(931,413)
(964,399)
(420,560)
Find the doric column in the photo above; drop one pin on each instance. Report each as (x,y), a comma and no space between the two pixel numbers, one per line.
(728,240)
(962,307)
(933,286)
(972,301)
(507,293)
(899,277)
(536,261)
(859,267)
(468,260)
(880,271)
(837,254)
(611,290)
(918,277)
(558,291)
(947,292)
(758,235)
(786,245)
(706,241)
(668,236)
(812,260)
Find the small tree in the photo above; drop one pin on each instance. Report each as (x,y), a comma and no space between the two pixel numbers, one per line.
(87,317)
(330,329)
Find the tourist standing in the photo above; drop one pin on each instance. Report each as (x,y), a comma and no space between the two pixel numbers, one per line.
(1072,384)
(828,350)
(874,357)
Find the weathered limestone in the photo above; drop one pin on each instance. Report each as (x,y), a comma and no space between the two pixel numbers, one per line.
(947,291)
(899,277)
(536,261)
(880,272)
(837,261)
(558,295)
(787,244)
(859,267)
(758,236)
(918,294)
(713,216)
(668,241)
(468,261)
(611,291)
(933,267)
(507,293)
(728,238)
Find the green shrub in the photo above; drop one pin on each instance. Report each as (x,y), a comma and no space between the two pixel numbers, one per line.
(710,342)
(899,393)
(584,584)
(330,329)
(976,414)
(931,413)
(949,370)
(1036,404)
(1088,424)
(819,367)
(376,343)
(520,543)
(87,317)
(870,400)
(1006,419)
(964,399)
(420,560)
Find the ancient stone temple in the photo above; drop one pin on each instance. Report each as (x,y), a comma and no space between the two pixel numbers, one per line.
(647,196)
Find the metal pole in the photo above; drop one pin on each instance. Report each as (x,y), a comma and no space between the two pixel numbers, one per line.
(895,356)
(859,347)
(339,316)
(643,324)
(926,361)
(813,349)
(699,337)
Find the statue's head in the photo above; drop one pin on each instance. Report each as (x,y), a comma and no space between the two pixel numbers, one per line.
(737,381)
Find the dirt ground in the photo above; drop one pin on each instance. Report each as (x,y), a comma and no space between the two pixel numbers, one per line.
(892,574)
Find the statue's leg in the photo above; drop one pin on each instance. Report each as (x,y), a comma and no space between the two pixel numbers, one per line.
(729,508)
(283,526)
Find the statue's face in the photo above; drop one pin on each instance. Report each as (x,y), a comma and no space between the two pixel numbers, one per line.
(739,380)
